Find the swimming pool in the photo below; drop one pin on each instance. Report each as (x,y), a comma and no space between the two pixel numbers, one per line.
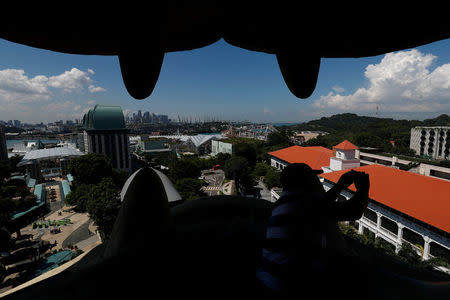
(53,261)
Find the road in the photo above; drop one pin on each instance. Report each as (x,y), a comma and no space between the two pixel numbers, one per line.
(264,192)
(213,181)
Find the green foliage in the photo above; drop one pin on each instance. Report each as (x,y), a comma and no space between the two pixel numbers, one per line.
(236,167)
(161,158)
(437,261)
(260,169)
(13,161)
(408,254)
(90,168)
(221,158)
(189,188)
(120,177)
(384,246)
(272,178)
(280,137)
(247,151)
(184,168)
(79,196)
(367,131)
(103,205)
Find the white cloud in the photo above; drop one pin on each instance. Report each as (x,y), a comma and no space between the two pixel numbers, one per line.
(38,98)
(402,82)
(338,89)
(96,89)
(70,80)
(16,86)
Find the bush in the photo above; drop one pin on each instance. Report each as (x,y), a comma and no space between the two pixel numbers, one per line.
(272,178)
(189,188)
(408,254)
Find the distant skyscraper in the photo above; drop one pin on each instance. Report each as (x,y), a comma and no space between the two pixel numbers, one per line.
(146,117)
(3,148)
(154,118)
(163,118)
(105,132)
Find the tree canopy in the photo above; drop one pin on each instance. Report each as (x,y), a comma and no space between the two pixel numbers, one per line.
(97,189)
(366,131)
(90,168)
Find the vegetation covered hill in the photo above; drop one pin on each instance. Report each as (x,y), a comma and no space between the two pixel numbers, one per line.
(367,131)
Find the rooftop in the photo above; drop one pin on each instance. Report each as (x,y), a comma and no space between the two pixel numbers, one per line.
(50,153)
(345,145)
(421,197)
(104,117)
(197,140)
(316,157)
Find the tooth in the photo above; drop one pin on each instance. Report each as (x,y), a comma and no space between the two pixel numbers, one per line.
(140,70)
(300,71)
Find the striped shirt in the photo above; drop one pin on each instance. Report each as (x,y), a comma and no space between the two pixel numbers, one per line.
(295,239)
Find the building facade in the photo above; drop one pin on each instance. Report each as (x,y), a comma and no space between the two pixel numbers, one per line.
(433,142)
(104,132)
(403,206)
(221,147)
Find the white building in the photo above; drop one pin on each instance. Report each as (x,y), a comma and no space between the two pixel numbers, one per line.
(344,157)
(403,206)
(431,141)
(221,147)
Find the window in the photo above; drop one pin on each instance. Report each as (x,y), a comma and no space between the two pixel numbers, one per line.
(389,225)
(413,237)
(439,251)
(371,215)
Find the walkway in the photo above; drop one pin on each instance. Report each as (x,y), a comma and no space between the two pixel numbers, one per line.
(80,234)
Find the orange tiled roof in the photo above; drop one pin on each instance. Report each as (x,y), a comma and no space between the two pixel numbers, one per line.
(315,157)
(345,145)
(421,197)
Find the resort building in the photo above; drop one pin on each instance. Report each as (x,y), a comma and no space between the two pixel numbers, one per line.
(315,157)
(344,157)
(433,142)
(403,206)
(104,132)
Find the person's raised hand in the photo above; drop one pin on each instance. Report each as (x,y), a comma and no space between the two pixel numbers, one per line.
(362,182)
(347,179)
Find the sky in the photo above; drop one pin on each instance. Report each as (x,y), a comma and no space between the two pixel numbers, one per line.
(224,82)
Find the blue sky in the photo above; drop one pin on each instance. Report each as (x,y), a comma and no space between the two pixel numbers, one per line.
(227,83)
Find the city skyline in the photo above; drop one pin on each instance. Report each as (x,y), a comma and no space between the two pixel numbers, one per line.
(225,83)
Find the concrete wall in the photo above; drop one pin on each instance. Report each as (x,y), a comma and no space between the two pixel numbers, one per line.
(221,147)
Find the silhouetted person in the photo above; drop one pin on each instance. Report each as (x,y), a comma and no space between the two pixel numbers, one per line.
(295,252)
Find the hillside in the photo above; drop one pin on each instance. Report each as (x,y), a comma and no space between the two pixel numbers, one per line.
(367,131)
